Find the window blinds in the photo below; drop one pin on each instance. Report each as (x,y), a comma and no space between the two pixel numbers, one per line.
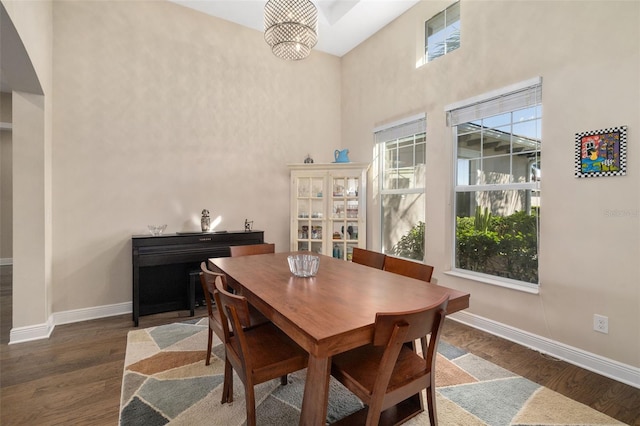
(401,129)
(509,99)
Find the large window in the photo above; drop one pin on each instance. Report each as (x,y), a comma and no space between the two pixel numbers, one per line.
(442,32)
(402,154)
(497,184)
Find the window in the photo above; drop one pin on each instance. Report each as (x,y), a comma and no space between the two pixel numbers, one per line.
(497,184)
(442,32)
(402,153)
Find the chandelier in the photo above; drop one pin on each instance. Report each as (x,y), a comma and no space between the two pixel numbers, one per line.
(290,28)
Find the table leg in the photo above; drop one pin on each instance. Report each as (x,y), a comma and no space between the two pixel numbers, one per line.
(316,392)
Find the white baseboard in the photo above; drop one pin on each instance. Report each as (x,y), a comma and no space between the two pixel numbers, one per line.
(43,331)
(604,366)
(4,261)
(86,314)
(30,333)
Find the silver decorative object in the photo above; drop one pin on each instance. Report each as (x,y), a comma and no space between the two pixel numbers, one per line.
(205,221)
(291,28)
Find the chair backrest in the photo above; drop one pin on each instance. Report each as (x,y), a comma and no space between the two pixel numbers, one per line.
(252,249)
(408,268)
(368,258)
(393,330)
(234,308)
(419,323)
(208,281)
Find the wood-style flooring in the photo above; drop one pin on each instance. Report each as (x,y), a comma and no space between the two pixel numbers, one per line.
(74,377)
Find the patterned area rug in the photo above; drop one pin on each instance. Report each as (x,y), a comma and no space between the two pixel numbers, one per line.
(166,381)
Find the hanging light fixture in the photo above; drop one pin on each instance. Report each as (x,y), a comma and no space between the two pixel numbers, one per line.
(291,28)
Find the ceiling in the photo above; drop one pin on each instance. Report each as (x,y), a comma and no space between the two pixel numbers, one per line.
(342,24)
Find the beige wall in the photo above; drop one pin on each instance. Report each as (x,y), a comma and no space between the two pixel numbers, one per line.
(161,111)
(31,166)
(588,55)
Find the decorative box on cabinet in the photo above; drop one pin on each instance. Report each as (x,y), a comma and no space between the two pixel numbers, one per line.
(328,208)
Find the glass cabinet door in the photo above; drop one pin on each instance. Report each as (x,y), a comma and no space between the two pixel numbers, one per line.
(344,216)
(328,210)
(309,213)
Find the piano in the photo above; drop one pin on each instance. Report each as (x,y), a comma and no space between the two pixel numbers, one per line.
(165,267)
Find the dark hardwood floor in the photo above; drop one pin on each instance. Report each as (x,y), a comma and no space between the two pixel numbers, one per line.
(74,377)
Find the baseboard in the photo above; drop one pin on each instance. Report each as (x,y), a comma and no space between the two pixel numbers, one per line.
(86,314)
(604,366)
(43,331)
(30,333)
(5,261)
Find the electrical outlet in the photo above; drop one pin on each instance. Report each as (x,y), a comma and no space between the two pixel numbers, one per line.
(601,323)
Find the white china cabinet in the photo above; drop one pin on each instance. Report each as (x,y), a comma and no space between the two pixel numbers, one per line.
(328,209)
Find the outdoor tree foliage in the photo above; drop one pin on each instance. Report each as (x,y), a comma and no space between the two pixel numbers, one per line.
(502,246)
(411,245)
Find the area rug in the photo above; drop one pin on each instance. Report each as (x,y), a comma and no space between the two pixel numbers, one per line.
(166,381)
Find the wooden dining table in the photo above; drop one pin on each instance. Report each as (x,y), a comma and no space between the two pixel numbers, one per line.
(330,313)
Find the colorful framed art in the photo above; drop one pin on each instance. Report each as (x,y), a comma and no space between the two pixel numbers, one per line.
(601,152)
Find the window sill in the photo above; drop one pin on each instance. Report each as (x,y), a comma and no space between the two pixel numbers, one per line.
(511,284)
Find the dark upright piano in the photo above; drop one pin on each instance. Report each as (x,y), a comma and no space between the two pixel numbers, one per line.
(165,267)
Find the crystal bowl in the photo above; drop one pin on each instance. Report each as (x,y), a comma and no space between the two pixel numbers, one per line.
(156,230)
(303,265)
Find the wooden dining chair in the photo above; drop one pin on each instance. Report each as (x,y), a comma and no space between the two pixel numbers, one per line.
(408,268)
(250,249)
(368,258)
(387,371)
(208,281)
(257,354)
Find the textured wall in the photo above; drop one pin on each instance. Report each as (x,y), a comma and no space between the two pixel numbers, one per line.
(31,165)
(588,55)
(161,111)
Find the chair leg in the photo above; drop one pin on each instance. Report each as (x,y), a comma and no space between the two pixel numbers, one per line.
(373,414)
(209,344)
(227,388)
(431,405)
(251,404)
(284,380)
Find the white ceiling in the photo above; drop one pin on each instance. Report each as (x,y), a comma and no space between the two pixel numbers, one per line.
(342,24)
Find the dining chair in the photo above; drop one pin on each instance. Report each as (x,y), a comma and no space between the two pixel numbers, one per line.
(368,258)
(250,249)
(387,371)
(208,281)
(408,268)
(257,354)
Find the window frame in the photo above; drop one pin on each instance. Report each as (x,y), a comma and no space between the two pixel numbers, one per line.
(472,110)
(410,127)
(446,32)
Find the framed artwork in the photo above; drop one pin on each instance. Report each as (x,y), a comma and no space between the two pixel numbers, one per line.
(601,153)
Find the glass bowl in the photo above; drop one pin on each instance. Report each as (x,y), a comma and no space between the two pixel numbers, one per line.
(303,265)
(156,230)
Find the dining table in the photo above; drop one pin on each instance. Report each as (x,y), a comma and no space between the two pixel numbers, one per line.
(330,313)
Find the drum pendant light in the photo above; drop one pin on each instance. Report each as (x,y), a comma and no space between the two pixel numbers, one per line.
(291,28)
